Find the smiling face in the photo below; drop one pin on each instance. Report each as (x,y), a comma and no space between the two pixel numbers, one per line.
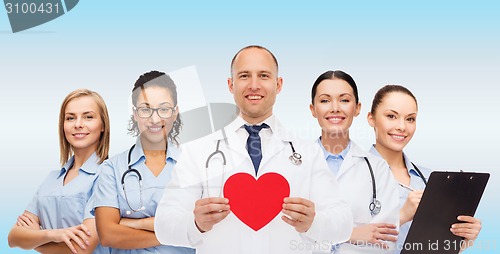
(254,84)
(394,121)
(154,130)
(335,107)
(82,124)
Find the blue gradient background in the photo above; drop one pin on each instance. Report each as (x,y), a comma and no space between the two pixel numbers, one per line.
(446,52)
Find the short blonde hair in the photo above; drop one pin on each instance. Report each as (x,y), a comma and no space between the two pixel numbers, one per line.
(65,148)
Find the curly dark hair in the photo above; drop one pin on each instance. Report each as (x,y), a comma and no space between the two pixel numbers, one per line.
(155,79)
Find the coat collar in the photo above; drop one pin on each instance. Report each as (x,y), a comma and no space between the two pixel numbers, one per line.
(351,158)
(279,139)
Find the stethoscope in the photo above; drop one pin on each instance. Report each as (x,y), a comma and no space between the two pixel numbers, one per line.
(419,173)
(295,158)
(139,176)
(375,205)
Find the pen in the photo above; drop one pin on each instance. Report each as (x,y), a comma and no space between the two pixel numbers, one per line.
(406,187)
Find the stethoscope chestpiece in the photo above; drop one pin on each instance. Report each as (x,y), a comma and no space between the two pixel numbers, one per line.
(375,207)
(295,158)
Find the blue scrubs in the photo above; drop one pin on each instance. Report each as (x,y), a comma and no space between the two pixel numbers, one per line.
(416,183)
(63,206)
(109,191)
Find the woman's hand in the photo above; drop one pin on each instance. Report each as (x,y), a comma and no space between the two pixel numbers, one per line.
(468,228)
(410,207)
(374,234)
(79,234)
(26,220)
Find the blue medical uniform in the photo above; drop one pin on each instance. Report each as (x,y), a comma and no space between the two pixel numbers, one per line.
(63,206)
(416,183)
(109,191)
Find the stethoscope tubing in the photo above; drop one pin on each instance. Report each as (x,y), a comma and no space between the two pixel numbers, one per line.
(139,176)
(375,206)
(295,158)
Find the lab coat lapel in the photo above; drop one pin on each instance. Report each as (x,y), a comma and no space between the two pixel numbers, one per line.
(347,164)
(351,157)
(238,154)
(235,144)
(277,143)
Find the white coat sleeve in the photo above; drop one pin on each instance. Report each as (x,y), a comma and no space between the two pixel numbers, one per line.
(333,222)
(174,219)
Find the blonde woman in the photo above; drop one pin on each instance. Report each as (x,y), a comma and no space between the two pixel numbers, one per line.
(58,219)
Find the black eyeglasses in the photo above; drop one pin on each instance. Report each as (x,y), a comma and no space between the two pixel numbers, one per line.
(163,112)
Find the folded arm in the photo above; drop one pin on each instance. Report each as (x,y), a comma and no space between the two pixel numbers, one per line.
(116,235)
(26,234)
(142,224)
(62,247)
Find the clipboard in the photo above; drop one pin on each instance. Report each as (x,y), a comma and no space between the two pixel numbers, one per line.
(446,196)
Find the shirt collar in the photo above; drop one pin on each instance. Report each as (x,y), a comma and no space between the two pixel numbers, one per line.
(409,166)
(374,151)
(239,123)
(137,153)
(342,154)
(90,166)
(173,152)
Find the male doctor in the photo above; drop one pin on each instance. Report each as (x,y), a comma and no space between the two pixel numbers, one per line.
(193,211)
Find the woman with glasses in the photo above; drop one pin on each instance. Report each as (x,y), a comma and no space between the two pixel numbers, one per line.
(132,182)
(58,219)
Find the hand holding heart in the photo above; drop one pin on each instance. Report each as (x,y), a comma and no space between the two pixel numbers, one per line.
(256,202)
(301,212)
(210,211)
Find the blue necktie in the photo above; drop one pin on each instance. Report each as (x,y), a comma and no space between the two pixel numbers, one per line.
(254,145)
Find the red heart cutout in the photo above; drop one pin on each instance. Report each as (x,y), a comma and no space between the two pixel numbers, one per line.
(256,202)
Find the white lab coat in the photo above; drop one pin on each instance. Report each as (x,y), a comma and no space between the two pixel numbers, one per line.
(356,187)
(416,183)
(174,221)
